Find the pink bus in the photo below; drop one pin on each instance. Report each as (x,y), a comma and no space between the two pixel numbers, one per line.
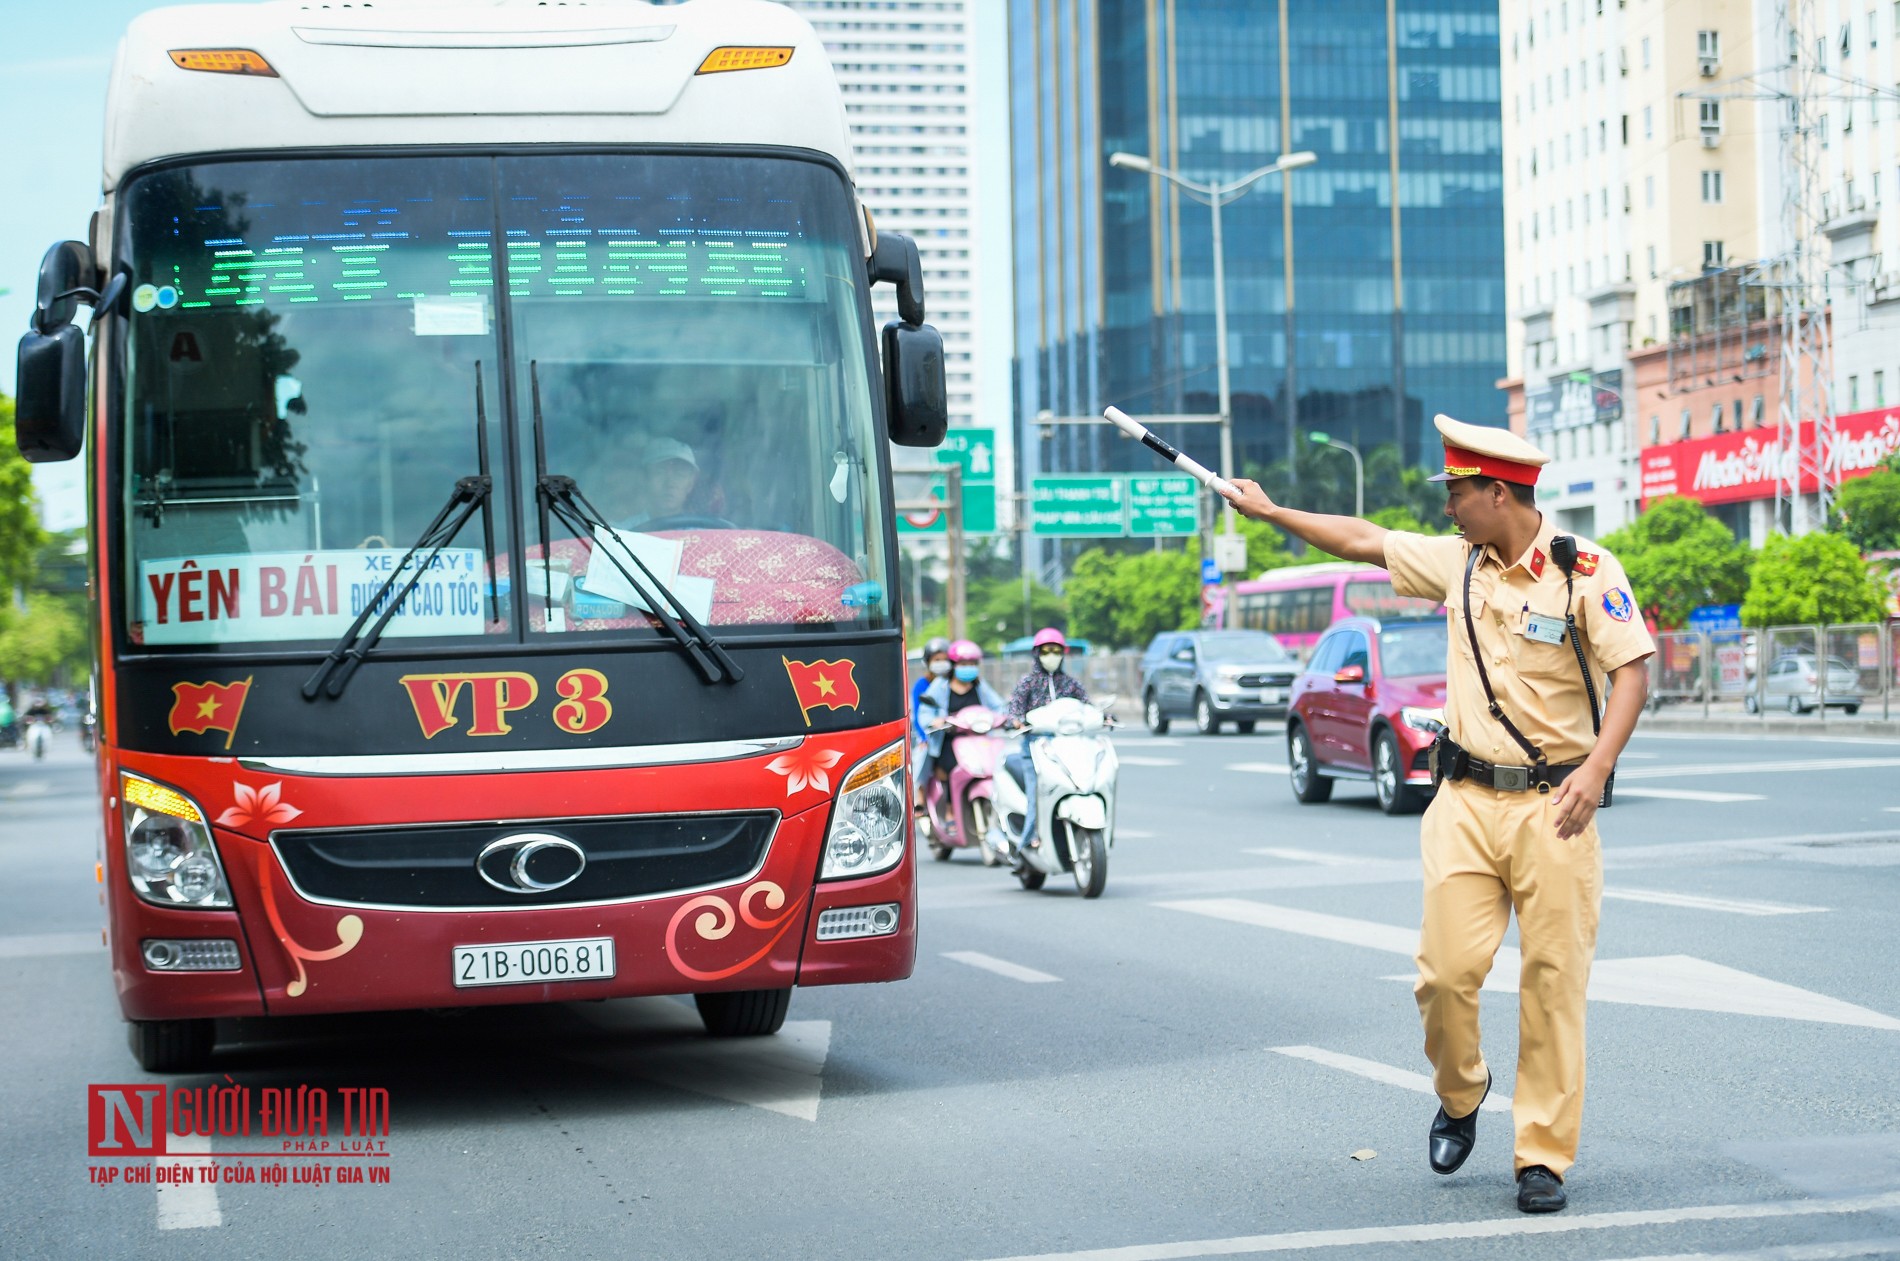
(1296,604)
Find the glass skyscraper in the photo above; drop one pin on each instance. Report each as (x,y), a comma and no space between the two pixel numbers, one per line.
(1114,268)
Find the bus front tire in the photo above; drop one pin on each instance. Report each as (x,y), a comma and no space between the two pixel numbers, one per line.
(172,1046)
(743,1013)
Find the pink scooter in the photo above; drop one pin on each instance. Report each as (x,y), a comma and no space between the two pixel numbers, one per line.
(962,813)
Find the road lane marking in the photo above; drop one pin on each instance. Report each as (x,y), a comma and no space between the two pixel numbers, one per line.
(1760,768)
(1385,1073)
(1002,967)
(1734,906)
(1134,834)
(192,1205)
(1135,759)
(1350,932)
(1888,1247)
(42,945)
(1494,1228)
(1687,794)
(1309,856)
(1259,768)
(28,788)
(1678,981)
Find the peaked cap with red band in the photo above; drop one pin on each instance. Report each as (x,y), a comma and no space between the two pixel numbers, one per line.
(1485,451)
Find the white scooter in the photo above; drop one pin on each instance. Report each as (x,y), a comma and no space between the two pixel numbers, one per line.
(1076,768)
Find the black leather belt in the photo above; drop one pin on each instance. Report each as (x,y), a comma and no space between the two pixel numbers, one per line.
(1450,761)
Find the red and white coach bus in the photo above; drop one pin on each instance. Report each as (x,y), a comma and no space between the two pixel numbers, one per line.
(492,556)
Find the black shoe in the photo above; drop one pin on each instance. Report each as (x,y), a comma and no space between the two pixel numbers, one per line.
(1540,1191)
(1451,1138)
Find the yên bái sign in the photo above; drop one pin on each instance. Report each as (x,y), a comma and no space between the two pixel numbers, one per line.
(241,598)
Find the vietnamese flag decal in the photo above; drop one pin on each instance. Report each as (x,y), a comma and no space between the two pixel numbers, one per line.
(822,685)
(203,707)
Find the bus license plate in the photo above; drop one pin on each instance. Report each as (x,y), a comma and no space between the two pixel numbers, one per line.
(534,962)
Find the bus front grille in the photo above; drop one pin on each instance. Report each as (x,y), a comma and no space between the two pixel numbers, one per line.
(548,862)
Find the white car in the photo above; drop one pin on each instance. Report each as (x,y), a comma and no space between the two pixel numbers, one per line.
(1792,681)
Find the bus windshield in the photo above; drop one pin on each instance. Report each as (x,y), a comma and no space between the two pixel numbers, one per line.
(319,348)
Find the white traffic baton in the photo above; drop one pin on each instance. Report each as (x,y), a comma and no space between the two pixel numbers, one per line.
(1200,472)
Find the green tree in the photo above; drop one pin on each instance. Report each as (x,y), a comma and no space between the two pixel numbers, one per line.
(1126,600)
(1813,578)
(44,643)
(1868,509)
(20,534)
(1678,557)
(1266,546)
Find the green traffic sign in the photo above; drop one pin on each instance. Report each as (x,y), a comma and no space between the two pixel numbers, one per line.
(979,511)
(1076,505)
(974,449)
(1163,503)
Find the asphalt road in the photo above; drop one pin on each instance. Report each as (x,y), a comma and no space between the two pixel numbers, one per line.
(1183,1068)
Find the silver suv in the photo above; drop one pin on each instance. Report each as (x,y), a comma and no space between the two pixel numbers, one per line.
(1215,677)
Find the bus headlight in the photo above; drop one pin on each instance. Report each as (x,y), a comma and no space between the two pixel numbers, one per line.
(168,852)
(869,821)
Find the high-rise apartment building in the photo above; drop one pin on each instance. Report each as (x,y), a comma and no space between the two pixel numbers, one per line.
(1114,268)
(1631,204)
(906,68)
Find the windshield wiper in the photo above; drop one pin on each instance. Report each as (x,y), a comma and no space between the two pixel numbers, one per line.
(560,496)
(470,493)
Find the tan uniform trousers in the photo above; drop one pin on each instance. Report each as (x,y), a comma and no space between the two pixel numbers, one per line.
(1485,853)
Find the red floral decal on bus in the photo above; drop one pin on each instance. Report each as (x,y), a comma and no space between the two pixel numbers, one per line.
(349,931)
(805,768)
(717,920)
(259,806)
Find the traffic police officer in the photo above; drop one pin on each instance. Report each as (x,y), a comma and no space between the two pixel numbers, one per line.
(1513,824)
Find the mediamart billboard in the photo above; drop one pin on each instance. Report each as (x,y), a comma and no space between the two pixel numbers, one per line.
(1730,467)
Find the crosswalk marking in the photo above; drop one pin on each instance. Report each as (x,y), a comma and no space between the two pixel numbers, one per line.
(1002,967)
(1679,981)
(1259,768)
(1688,794)
(1362,1237)
(1734,906)
(1887,1247)
(42,945)
(192,1205)
(1375,1071)
(1309,856)
(1136,759)
(1759,768)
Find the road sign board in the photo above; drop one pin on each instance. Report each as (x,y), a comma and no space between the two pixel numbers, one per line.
(1077,505)
(974,449)
(979,511)
(1210,571)
(1161,503)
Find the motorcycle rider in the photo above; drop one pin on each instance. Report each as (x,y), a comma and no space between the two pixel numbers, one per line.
(1045,682)
(936,666)
(963,688)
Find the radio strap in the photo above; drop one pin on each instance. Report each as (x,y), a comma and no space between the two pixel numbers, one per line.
(1484,677)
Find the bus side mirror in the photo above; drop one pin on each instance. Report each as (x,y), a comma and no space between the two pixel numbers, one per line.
(915,403)
(50,410)
(896,261)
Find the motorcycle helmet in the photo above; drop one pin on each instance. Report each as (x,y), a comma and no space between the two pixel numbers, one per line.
(938,647)
(1050,647)
(964,650)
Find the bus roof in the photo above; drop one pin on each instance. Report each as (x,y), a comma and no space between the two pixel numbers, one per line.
(467,72)
(1298,575)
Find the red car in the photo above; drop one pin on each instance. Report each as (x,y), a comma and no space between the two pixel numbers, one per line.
(1368,707)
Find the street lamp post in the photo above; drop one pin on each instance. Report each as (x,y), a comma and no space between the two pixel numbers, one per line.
(1358,469)
(1215,196)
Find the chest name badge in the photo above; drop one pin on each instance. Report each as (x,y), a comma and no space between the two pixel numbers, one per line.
(1544,629)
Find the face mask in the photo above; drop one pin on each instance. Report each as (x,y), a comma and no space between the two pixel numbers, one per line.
(967,674)
(940,668)
(1051,661)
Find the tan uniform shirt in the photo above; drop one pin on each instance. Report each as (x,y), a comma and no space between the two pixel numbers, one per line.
(1538,684)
